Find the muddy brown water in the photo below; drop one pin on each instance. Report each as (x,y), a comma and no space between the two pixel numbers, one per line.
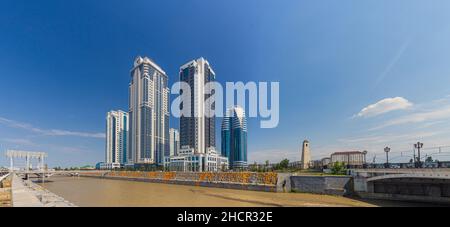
(89,192)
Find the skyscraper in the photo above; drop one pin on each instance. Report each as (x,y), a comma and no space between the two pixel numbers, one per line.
(174,140)
(234,137)
(197,132)
(149,113)
(116,138)
(306,155)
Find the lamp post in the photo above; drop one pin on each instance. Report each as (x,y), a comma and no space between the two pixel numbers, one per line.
(418,146)
(387,150)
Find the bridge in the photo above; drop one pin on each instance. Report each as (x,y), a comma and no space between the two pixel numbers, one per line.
(41,171)
(423,185)
(47,174)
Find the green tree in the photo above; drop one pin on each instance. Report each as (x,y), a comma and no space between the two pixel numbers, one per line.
(284,164)
(338,168)
(429,159)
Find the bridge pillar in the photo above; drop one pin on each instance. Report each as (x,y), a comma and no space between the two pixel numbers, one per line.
(370,187)
(360,184)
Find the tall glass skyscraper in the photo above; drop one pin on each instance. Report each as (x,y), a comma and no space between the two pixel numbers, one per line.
(174,140)
(149,113)
(116,138)
(197,132)
(234,137)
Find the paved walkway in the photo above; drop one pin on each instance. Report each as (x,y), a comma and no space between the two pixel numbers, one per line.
(23,196)
(29,194)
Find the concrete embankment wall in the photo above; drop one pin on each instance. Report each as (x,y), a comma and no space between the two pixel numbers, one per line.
(332,185)
(242,181)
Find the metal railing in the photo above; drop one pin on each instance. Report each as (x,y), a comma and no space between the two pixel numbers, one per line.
(3,176)
(251,178)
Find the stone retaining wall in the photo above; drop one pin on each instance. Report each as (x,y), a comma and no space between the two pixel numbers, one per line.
(334,185)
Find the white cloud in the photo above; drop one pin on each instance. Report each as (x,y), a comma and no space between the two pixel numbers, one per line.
(48,132)
(385,106)
(19,141)
(439,113)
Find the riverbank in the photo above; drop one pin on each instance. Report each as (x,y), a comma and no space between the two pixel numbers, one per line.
(26,193)
(94,192)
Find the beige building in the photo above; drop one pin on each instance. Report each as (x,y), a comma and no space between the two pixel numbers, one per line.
(350,158)
(306,156)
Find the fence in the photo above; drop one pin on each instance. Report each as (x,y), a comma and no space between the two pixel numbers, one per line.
(251,178)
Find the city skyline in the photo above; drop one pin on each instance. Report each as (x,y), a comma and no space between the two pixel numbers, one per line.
(353,76)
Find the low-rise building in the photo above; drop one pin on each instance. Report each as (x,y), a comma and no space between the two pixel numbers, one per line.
(109,166)
(326,162)
(316,164)
(189,161)
(351,159)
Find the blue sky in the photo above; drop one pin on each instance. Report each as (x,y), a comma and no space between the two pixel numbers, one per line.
(64,64)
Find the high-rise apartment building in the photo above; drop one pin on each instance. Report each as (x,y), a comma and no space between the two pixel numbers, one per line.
(234,137)
(174,141)
(149,113)
(116,139)
(197,131)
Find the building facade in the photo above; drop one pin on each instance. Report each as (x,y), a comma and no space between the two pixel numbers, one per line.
(116,138)
(234,137)
(174,141)
(352,159)
(189,161)
(148,113)
(197,131)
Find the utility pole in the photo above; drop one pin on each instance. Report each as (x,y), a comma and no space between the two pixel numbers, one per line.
(387,150)
(418,146)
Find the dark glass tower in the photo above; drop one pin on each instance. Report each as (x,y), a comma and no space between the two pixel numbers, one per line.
(197,132)
(234,137)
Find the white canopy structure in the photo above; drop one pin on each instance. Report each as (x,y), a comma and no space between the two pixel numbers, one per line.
(28,156)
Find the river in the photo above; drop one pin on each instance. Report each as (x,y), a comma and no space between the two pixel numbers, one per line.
(95,192)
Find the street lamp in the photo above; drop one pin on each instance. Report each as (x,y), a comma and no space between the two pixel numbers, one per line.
(387,150)
(418,146)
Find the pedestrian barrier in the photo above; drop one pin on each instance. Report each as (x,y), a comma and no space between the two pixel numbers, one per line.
(252,178)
